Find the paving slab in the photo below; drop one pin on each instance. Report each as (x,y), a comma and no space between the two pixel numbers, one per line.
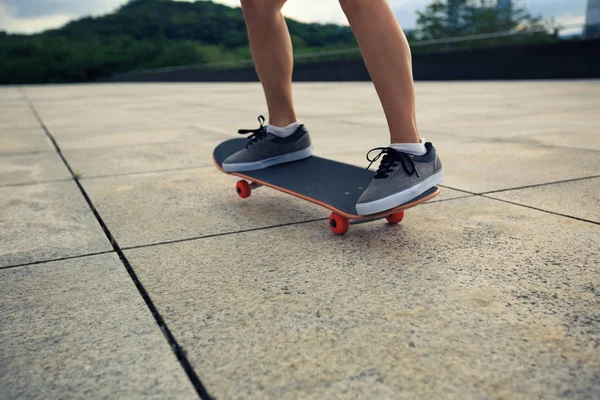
(579,199)
(53,93)
(535,123)
(12,118)
(468,298)
(12,102)
(553,95)
(90,118)
(47,221)
(182,92)
(120,136)
(493,110)
(583,139)
(485,166)
(141,109)
(176,205)
(24,140)
(22,169)
(486,121)
(79,328)
(110,161)
(10,93)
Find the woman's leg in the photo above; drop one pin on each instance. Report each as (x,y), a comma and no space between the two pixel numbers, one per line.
(283,140)
(271,48)
(409,167)
(387,56)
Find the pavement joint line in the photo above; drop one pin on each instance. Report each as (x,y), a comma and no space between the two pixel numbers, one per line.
(35,183)
(68,128)
(14,128)
(467,195)
(541,209)
(565,148)
(519,187)
(55,259)
(190,239)
(175,347)
(25,153)
(485,195)
(192,128)
(458,190)
(539,185)
(526,135)
(519,139)
(84,178)
(136,145)
(13,105)
(121,146)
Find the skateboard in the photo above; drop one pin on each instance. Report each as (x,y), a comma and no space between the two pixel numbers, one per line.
(333,185)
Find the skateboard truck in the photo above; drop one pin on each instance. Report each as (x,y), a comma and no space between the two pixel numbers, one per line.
(340,225)
(337,223)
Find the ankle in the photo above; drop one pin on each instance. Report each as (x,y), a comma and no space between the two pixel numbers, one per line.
(283,131)
(417,149)
(406,136)
(282,121)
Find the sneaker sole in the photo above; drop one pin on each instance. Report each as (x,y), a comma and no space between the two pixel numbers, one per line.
(268,162)
(397,199)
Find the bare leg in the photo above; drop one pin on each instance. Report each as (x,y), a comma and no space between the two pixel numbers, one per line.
(271,48)
(387,56)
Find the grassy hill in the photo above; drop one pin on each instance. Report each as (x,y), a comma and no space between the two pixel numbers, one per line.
(145,34)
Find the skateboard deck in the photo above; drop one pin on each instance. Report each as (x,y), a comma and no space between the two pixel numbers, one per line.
(331,184)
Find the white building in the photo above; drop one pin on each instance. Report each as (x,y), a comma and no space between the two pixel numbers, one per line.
(592,19)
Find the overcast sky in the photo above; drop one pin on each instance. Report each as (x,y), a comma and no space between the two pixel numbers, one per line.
(28,16)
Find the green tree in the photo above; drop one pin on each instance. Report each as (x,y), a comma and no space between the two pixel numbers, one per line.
(144,34)
(450,18)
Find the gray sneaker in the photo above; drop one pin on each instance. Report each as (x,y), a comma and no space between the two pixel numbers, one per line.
(400,178)
(264,149)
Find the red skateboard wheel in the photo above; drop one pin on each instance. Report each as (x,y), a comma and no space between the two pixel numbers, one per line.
(396,218)
(243,189)
(338,224)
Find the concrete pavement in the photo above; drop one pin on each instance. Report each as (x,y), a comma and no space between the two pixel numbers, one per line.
(147,277)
